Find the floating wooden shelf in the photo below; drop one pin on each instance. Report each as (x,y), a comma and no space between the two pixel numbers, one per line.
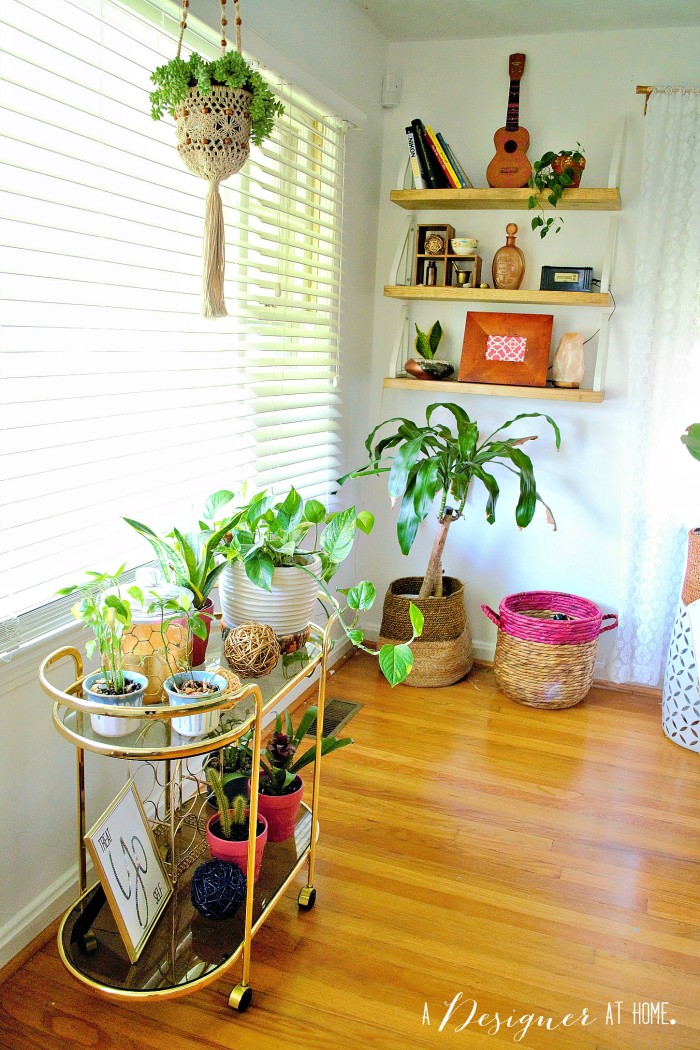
(537,393)
(522,296)
(597,199)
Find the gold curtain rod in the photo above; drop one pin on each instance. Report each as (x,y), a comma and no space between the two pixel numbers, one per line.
(644,90)
(649,89)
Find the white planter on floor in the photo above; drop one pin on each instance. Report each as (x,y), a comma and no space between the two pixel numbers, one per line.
(287,608)
(680,710)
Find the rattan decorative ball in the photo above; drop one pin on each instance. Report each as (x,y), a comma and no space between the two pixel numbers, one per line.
(252,649)
(217,889)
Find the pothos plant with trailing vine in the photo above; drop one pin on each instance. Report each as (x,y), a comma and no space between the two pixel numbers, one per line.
(174,79)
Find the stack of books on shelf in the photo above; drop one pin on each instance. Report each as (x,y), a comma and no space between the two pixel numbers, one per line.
(433,163)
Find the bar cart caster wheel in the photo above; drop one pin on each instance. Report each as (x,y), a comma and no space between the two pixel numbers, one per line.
(240,998)
(88,943)
(307,898)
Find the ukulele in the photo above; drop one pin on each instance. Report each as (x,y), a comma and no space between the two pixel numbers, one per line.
(510,168)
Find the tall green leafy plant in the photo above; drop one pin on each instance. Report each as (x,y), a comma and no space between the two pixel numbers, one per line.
(187,559)
(438,463)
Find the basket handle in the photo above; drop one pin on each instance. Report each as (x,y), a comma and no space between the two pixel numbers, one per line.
(224,23)
(610,626)
(494,617)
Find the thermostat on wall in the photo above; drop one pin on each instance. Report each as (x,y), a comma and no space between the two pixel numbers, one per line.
(566,279)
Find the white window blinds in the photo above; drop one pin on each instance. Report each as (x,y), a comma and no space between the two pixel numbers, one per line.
(116,397)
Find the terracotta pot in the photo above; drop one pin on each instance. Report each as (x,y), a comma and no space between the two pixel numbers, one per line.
(199,645)
(281,811)
(562,161)
(236,852)
(691,581)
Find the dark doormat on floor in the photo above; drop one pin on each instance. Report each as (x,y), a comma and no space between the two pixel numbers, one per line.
(336,715)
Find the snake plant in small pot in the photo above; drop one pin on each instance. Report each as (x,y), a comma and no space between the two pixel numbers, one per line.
(106,612)
(433,467)
(227,831)
(281,788)
(426,365)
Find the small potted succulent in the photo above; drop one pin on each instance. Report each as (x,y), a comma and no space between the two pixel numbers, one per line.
(227,829)
(185,685)
(189,559)
(281,788)
(551,175)
(426,366)
(105,611)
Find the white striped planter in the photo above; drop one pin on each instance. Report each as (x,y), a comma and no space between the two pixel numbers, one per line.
(287,608)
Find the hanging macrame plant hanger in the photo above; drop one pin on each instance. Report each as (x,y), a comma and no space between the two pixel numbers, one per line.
(213,139)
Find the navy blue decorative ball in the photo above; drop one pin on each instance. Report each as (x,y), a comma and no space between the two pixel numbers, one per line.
(218,889)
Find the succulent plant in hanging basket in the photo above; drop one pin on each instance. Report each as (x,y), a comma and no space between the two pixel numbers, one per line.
(219,106)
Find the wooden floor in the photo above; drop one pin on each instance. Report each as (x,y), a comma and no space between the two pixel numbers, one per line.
(537,863)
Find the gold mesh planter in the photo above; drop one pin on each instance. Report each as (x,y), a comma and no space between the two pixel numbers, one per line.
(443,654)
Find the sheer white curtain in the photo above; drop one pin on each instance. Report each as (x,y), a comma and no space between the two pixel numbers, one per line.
(662,497)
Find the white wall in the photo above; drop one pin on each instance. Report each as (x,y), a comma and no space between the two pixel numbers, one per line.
(574,89)
(332,49)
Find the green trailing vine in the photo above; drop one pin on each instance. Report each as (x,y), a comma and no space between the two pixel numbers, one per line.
(174,79)
(552,183)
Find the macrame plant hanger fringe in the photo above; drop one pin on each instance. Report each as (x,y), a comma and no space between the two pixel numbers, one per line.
(213,133)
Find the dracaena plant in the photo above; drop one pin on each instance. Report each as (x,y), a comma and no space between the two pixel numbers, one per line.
(280,760)
(187,559)
(105,611)
(265,533)
(437,463)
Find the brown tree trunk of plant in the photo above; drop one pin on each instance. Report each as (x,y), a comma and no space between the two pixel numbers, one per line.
(432,581)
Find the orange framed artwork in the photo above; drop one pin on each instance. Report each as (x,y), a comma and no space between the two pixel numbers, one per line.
(510,349)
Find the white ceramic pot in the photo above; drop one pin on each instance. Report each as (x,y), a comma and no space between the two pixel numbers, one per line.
(106,725)
(287,608)
(194,725)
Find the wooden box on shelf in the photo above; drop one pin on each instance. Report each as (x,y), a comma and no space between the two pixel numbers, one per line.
(436,265)
(432,251)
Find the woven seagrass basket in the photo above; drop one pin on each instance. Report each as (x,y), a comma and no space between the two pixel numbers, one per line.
(443,654)
(543,661)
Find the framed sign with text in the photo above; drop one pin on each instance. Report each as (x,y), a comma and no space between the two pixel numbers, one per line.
(131,870)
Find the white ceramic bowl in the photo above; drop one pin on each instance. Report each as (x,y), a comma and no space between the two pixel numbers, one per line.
(464,245)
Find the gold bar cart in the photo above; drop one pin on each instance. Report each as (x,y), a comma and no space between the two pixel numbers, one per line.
(184,952)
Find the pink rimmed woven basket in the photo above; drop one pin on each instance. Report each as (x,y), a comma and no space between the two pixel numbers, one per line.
(541,661)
